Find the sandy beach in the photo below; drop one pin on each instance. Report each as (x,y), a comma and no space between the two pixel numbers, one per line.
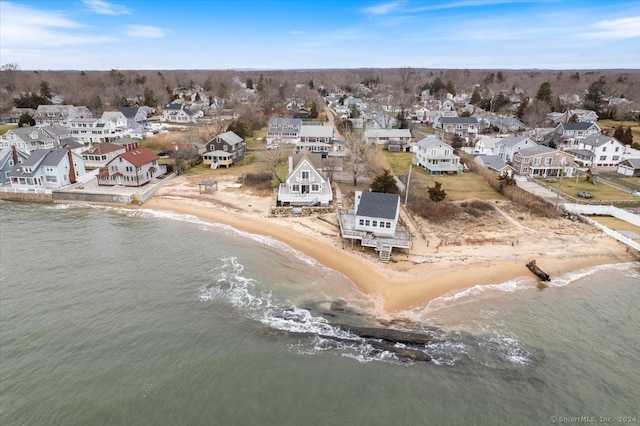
(442,258)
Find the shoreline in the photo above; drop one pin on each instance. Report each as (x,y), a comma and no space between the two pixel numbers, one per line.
(412,279)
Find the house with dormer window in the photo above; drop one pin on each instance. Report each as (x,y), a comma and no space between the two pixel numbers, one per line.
(569,135)
(132,168)
(225,149)
(507,147)
(284,130)
(47,169)
(9,157)
(305,184)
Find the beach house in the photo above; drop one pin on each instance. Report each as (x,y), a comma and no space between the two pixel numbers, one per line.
(132,168)
(305,184)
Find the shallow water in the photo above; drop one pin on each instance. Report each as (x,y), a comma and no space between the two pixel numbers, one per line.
(112,316)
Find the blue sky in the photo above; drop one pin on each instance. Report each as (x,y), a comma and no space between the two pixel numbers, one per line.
(222,34)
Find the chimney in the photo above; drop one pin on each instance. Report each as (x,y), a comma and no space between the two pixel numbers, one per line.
(14,151)
(72,170)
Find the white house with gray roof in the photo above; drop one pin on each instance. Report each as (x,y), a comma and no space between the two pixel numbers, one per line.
(436,157)
(388,136)
(47,169)
(284,130)
(507,147)
(495,163)
(28,139)
(607,151)
(569,135)
(629,167)
(377,213)
(305,184)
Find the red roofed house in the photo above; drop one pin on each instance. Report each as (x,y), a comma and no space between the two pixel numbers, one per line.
(132,168)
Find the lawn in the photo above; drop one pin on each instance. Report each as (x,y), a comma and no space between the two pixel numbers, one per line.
(609,127)
(4,128)
(600,192)
(615,223)
(465,186)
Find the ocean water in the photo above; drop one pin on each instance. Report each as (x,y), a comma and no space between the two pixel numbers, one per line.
(119,317)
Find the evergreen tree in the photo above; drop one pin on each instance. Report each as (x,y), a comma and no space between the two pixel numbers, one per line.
(45,89)
(385,182)
(436,193)
(249,83)
(619,133)
(475,96)
(544,93)
(313,113)
(26,120)
(628,137)
(500,77)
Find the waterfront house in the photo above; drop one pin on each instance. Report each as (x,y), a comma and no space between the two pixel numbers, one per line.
(377,213)
(100,154)
(9,157)
(436,157)
(47,169)
(225,149)
(305,184)
(132,168)
(542,162)
(136,117)
(28,139)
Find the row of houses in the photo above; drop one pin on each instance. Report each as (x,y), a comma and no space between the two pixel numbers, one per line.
(53,168)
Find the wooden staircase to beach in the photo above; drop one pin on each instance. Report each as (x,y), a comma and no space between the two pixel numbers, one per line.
(385,252)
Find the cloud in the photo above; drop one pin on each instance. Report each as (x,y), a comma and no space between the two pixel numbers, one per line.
(23,27)
(105,8)
(618,29)
(145,31)
(382,9)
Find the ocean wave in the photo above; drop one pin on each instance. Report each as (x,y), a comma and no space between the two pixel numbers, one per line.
(568,278)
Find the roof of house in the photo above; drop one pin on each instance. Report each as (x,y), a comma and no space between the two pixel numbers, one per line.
(459,120)
(633,162)
(6,153)
(387,133)
(39,158)
(430,142)
(494,162)
(582,152)
(316,131)
(129,112)
(315,159)
(511,141)
(230,138)
(102,148)
(378,204)
(279,122)
(139,156)
(578,125)
(599,140)
(537,150)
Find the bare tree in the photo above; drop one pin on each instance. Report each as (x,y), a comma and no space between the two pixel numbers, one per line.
(535,112)
(360,155)
(273,157)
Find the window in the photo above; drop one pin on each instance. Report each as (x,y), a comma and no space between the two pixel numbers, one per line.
(615,158)
(315,187)
(604,149)
(617,148)
(548,161)
(295,188)
(603,157)
(536,161)
(367,222)
(387,225)
(305,174)
(374,223)
(361,222)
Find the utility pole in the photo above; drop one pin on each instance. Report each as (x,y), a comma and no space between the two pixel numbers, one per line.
(406,192)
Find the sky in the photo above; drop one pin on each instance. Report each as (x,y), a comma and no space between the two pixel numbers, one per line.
(327,34)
